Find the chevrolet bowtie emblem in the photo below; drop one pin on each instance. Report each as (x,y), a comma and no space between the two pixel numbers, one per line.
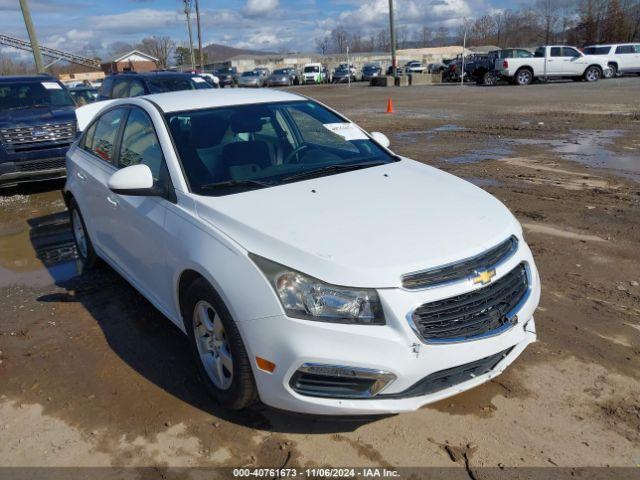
(484,277)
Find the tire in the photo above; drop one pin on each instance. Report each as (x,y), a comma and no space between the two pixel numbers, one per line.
(592,74)
(523,77)
(613,71)
(489,79)
(233,386)
(84,247)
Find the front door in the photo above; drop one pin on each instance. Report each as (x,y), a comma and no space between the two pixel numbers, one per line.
(138,221)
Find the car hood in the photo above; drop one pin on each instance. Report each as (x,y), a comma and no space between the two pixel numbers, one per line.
(364,228)
(36,116)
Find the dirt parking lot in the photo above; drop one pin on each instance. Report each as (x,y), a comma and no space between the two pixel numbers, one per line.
(92,375)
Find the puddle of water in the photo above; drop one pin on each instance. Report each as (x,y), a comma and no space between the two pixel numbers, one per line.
(483,182)
(39,253)
(449,128)
(491,153)
(591,148)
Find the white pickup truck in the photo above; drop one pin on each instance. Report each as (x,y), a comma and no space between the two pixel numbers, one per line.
(552,62)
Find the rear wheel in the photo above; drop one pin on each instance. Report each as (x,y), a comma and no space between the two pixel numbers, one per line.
(84,247)
(613,71)
(489,79)
(218,349)
(524,77)
(592,74)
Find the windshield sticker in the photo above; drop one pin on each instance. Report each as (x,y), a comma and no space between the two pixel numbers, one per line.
(51,86)
(198,79)
(348,131)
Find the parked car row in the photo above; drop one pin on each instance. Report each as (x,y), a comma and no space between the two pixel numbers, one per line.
(522,67)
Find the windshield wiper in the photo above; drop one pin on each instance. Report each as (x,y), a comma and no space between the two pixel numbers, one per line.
(234,184)
(337,168)
(37,105)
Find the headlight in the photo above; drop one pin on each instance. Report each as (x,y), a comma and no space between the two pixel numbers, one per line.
(308,298)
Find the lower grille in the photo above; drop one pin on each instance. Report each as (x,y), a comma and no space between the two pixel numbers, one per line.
(474,313)
(450,377)
(40,165)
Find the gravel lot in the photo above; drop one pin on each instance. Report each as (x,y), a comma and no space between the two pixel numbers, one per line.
(92,375)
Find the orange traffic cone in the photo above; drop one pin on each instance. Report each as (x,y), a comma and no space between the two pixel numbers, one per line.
(389,105)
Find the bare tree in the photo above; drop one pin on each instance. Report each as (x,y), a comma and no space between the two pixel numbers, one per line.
(425,36)
(323,44)
(160,47)
(340,39)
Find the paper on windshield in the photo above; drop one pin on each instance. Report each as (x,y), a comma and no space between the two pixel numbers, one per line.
(51,85)
(198,79)
(348,131)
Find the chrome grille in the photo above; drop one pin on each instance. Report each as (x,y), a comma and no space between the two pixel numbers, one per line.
(475,313)
(17,137)
(463,269)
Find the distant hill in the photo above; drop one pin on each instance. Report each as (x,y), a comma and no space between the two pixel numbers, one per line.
(216,52)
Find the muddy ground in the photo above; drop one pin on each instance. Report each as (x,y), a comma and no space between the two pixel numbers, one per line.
(91,374)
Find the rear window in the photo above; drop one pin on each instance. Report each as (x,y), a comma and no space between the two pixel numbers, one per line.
(177,83)
(34,94)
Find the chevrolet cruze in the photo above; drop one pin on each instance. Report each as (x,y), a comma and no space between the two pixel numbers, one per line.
(311,267)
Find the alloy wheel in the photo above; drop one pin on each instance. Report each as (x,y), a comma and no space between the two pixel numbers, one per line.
(79,234)
(213,346)
(593,74)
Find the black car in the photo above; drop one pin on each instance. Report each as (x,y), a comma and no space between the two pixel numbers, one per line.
(228,76)
(343,75)
(370,70)
(83,94)
(130,84)
(37,126)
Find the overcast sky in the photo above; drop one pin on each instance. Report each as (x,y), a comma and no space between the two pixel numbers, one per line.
(76,25)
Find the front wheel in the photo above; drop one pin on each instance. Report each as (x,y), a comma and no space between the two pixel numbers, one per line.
(489,79)
(84,247)
(592,74)
(524,77)
(218,349)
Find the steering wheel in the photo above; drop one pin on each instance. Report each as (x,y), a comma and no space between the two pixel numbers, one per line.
(295,152)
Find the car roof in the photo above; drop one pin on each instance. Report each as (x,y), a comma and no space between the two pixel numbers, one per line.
(212,98)
(27,78)
(153,74)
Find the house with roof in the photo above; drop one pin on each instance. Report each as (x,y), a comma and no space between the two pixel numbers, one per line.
(133,61)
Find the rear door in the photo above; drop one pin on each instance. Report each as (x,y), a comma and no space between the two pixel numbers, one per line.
(626,58)
(94,168)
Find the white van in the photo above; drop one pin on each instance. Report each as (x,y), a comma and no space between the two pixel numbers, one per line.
(313,73)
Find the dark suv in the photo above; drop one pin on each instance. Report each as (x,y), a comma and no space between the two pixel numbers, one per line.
(37,126)
(227,76)
(131,84)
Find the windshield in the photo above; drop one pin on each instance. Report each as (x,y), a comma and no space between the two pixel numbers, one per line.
(250,74)
(540,51)
(84,96)
(224,71)
(597,50)
(311,69)
(33,94)
(174,84)
(280,72)
(232,149)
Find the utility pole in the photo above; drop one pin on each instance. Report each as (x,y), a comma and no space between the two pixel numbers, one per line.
(464,47)
(392,31)
(37,57)
(200,54)
(187,12)
(348,67)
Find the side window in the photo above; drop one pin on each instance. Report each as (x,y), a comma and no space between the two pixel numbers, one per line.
(140,144)
(87,139)
(524,54)
(106,131)
(570,52)
(107,86)
(556,52)
(637,48)
(120,88)
(625,49)
(136,89)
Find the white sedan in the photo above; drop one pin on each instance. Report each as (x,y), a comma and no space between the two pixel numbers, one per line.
(311,268)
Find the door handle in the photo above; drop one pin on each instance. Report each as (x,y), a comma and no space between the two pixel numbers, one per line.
(80,176)
(113,203)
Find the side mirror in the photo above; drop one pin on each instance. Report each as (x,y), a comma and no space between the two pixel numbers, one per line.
(135,180)
(381,138)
